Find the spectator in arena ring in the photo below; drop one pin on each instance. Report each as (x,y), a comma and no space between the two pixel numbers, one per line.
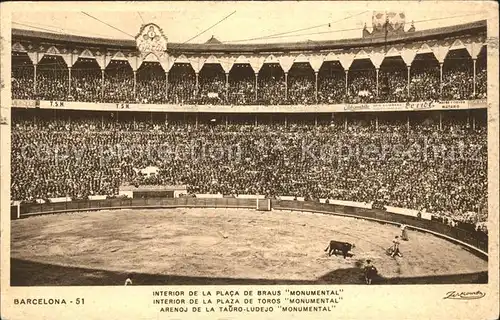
(370,271)
(404,233)
(128,281)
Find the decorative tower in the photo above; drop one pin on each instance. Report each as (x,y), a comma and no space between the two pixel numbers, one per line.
(386,24)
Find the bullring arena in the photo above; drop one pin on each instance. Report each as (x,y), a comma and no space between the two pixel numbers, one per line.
(144,157)
(186,246)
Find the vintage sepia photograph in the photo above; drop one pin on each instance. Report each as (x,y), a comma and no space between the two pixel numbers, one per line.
(198,150)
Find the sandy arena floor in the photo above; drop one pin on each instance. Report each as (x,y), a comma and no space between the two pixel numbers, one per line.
(231,243)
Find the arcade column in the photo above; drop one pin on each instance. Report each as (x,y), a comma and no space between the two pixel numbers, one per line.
(256,86)
(102,83)
(316,86)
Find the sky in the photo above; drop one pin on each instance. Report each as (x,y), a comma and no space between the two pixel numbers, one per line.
(184,21)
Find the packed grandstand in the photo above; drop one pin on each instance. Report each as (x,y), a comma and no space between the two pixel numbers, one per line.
(66,145)
(116,84)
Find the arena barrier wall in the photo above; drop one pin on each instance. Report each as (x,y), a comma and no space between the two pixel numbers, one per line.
(476,242)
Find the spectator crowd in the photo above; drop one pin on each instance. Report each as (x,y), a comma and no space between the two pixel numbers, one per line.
(423,166)
(440,169)
(118,84)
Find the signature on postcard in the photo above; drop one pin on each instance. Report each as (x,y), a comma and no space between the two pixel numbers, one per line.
(464,295)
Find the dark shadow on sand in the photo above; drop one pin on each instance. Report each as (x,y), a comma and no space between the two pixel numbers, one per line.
(28,273)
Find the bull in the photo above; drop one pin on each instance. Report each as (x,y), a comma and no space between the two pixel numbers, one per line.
(343,247)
